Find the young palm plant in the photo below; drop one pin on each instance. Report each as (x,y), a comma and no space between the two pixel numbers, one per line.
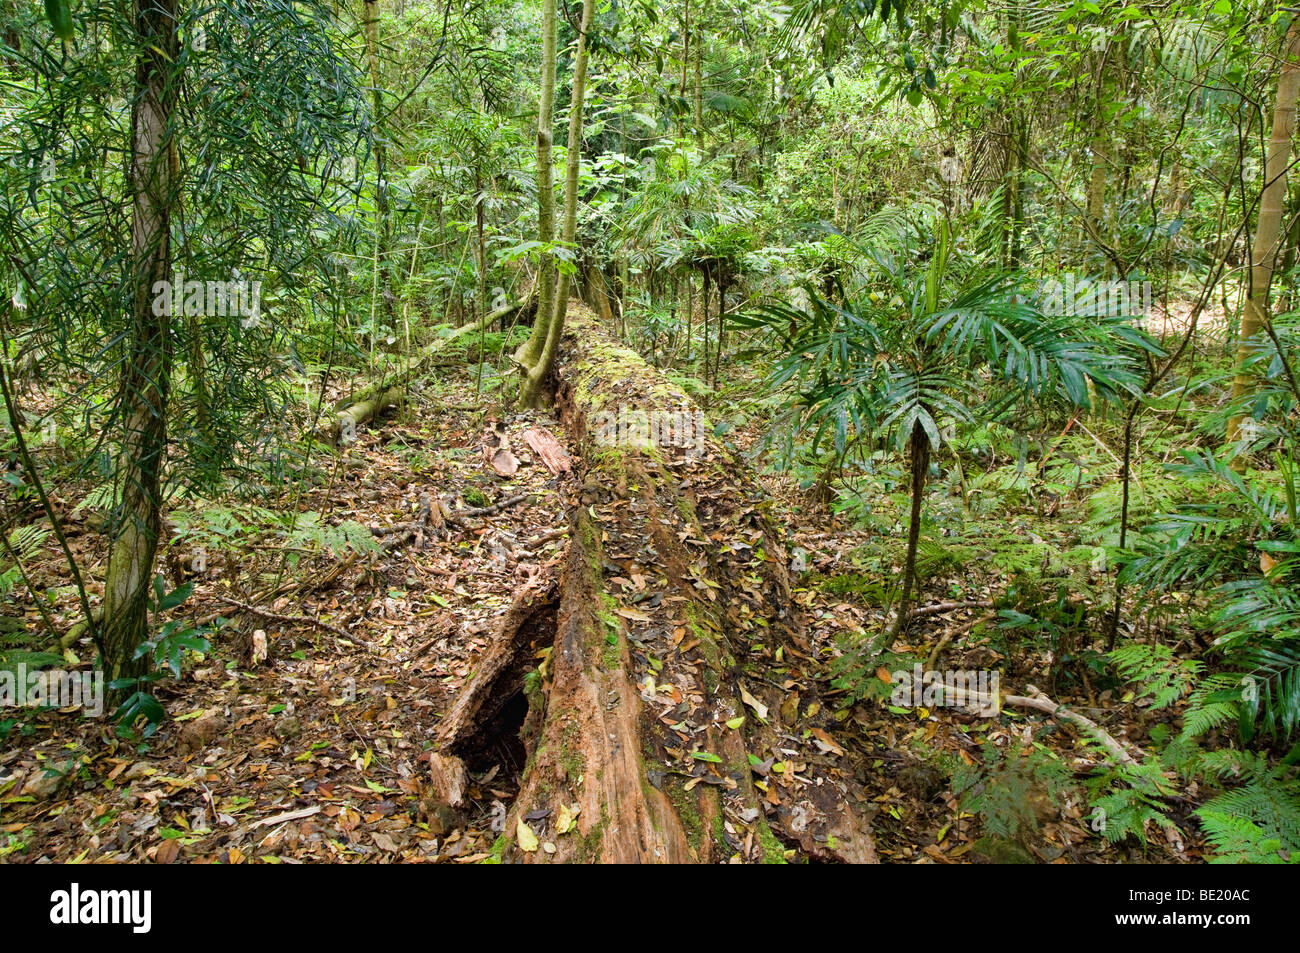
(925,342)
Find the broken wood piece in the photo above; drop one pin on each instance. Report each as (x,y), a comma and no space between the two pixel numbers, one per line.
(448,778)
(551,452)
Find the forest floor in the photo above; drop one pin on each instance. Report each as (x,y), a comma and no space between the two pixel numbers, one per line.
(318,751)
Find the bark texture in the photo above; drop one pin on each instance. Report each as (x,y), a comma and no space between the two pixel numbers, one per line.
(146,371)
(1268,228)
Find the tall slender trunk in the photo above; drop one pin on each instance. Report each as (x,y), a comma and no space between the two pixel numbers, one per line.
(704,296)
(1268,230)
(383,231)
(1017,149)
(530,393)
(531,350)
(480,241)
(147,369)
(699,81)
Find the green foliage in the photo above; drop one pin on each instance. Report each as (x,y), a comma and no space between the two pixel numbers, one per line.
(1239,535)
(854,670)
(1163,678)
(1009,785)
(24,543)
(1128,799)
(1257,822)
(176,641)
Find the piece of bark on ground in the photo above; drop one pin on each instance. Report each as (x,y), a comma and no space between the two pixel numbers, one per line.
(549,450)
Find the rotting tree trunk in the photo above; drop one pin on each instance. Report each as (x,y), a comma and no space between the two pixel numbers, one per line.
(667,723)
(146,371)
(1268,232)
(535,375)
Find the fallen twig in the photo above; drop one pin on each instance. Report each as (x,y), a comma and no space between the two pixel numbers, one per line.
(294,619)
(952,634)
(948,606)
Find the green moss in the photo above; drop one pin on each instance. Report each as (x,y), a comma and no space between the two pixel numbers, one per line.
(571,757)
(611,658)
(497,852)
(589,851)
(688,813)
(773,849)
(720,836)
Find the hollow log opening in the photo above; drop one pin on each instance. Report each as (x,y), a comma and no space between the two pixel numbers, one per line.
(490,723)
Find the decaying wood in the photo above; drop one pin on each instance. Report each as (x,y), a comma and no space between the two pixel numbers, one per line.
(1040,702)
(490,510)
(484,695)
(937,608)
(448,779)
(549,450)
(497,453)
(365,409)
(433,519)
(675,761)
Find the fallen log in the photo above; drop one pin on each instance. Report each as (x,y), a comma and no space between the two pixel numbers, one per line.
(369,402)
(661,727)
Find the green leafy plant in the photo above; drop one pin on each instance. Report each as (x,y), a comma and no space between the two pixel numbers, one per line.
(928,339)
(165,653)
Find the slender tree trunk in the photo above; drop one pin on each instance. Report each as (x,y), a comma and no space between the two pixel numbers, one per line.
(147,369)
(918,446)
(1268,231)
(1017,147)
(480,240)
(530,393)
(699,81)
(383,232)
(531,350)
(704,296)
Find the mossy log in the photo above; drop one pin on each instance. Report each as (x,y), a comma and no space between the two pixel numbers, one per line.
(667,732)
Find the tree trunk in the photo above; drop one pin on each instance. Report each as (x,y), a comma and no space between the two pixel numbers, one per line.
(654,727)
(705,291)
(147,369)
(480,240)
(699,79)
(530,392)
(1268,232)
(530,352)
(383,238)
